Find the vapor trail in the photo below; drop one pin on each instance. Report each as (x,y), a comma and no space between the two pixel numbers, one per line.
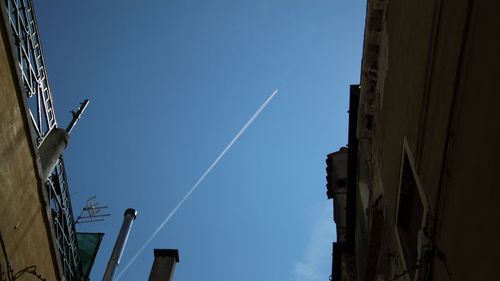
(198,182)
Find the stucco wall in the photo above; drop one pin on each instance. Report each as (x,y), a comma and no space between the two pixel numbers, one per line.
(22,224)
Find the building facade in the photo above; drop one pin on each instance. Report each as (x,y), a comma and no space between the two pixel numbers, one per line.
(37,229)
(422,175)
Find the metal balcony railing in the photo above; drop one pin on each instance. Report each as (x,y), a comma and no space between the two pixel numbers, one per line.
(31,63)
(62,215)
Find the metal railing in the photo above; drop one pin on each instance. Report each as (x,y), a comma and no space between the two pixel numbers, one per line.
(31,63)
(62,216)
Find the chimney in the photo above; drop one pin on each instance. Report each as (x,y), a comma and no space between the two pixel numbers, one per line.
(121,240)
(164,265)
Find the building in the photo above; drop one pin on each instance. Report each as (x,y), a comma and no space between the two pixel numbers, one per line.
(423,179)
(37,230)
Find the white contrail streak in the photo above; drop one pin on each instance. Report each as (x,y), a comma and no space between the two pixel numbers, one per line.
(198,182)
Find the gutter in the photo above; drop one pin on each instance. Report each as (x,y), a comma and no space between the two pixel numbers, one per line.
(352,167)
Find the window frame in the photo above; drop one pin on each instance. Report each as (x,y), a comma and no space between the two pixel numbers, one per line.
(406,153)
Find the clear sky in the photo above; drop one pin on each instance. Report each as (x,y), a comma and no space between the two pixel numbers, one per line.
(170,84)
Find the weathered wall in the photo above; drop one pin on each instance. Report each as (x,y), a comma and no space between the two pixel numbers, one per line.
(441,69)
(469,218)
(22,224)
(408,28)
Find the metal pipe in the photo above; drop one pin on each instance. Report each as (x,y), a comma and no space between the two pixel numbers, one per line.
(121,240)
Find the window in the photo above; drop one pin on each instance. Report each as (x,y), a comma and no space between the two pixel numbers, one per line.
(411,212)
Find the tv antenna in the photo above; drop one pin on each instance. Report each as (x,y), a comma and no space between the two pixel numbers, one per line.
(92,212)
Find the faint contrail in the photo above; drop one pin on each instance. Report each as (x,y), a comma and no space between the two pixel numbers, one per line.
(195,186)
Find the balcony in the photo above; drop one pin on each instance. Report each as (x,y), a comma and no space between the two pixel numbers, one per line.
(30,62)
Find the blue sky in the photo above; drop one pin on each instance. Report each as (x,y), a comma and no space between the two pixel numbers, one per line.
(170,84)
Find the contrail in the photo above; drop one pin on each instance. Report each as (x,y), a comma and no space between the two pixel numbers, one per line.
(198,182)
